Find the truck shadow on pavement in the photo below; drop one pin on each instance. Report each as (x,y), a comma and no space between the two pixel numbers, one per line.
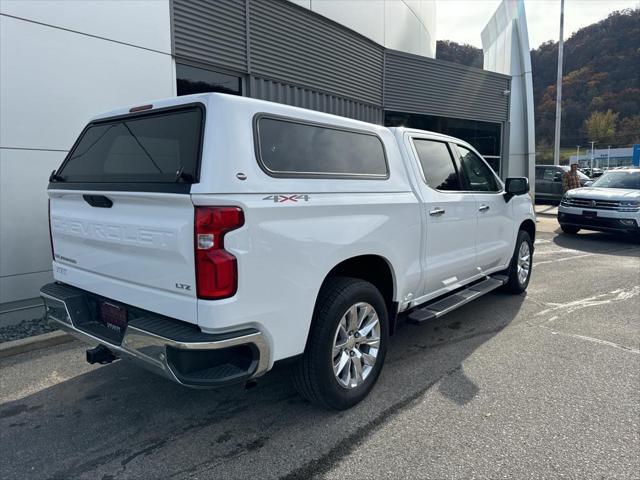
(119,421)
(599,242)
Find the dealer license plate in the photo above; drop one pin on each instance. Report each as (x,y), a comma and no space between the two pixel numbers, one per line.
(113,316)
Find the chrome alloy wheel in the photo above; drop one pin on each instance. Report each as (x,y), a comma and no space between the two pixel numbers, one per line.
(524,262)
(356,345)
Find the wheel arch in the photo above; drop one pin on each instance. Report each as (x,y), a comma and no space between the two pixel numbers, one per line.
(374,269)
(529,226)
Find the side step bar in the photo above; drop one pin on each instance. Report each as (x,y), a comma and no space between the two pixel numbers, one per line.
(444,305)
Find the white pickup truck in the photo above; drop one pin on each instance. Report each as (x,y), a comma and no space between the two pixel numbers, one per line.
(207,237)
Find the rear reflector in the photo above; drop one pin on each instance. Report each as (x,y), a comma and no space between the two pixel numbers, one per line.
(216,269)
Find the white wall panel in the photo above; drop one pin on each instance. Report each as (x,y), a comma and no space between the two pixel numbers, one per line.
(402,28)
(145,23)
(365,18)
(52,81)
(405,25)
(302,3)
(22,287)
(505,41)
(427,16)
(24,232)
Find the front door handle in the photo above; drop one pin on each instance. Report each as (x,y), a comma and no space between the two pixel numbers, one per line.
(436,211)
(484,208)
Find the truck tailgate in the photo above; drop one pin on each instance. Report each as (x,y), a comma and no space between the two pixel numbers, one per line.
(137,251)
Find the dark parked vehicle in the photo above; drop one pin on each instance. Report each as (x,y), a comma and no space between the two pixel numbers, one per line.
(549,182)
(592,173)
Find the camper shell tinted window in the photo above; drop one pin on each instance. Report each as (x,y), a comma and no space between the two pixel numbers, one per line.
(291,148)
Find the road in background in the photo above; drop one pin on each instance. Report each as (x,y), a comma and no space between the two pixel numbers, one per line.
(536,386)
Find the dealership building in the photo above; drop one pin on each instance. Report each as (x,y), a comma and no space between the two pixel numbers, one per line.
(64,61)
(608,157)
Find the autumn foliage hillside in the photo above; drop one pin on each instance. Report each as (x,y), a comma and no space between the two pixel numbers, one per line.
(601,82)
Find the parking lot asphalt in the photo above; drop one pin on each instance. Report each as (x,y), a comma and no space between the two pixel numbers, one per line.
(542,385)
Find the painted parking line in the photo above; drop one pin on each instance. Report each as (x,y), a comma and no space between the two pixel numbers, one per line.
(555,260)
(620,294)
(560,309)
(592,340)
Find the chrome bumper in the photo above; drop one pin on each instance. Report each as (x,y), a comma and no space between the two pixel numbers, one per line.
(152,350)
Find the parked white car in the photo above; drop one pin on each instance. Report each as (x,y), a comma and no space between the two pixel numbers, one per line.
(208,237)
(610,204)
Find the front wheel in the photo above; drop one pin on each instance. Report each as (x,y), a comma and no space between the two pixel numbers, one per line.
(571,230)
(346,346)
(519,272)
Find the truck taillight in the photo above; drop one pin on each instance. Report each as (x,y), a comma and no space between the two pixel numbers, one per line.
(216,269)
(50,234)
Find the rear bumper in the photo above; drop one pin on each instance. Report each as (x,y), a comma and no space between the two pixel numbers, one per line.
(177,350)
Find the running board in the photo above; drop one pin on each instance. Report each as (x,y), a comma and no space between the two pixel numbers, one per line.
(455,300)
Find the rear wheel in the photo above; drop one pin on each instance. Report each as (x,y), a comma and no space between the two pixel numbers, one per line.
(519,272)
(347,344)
(571,230)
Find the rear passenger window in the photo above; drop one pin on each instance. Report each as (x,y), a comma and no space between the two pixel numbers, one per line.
(437,165)
(288,148)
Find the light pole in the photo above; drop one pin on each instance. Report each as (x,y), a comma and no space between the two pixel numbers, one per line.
(608,156)
(591,167)
(578,155)
(556,146)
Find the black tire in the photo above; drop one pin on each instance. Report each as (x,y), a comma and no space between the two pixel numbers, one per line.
(570,229)
(313,375)
(514,285)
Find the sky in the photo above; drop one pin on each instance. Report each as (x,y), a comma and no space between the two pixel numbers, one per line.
(463,20)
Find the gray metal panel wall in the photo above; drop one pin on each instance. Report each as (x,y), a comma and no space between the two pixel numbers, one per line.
(211,31)
(274,91)
(291,44)
(422,85)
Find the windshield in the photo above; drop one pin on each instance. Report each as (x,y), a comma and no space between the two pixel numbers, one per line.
(620,179)
(162,147)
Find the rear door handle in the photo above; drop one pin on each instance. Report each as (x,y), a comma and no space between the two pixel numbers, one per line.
(436,211)
(484,208)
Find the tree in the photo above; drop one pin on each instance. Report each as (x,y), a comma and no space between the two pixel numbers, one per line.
(459,53)
(601,71)
(629,131)
(601,126)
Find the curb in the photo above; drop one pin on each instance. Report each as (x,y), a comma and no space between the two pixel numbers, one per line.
(23,345)
(546,214)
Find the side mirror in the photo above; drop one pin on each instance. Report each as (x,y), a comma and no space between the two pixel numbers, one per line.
(588,183)
(516,186)
(557,177)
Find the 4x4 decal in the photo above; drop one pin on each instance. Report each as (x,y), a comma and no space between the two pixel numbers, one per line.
(287,198)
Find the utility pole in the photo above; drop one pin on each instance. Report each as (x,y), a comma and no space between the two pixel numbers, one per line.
(608,156)
(578,155)
(591,166)
(556,146)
